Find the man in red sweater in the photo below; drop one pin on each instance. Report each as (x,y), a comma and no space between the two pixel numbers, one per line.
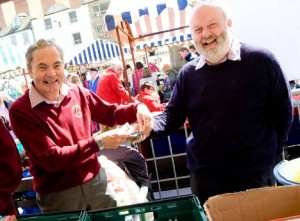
(10,171)
(53,122)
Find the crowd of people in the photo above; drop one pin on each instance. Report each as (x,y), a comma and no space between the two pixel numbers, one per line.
(234,145)
(110,84)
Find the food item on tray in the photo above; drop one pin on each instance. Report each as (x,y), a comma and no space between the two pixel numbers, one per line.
(291,170)
(120,186)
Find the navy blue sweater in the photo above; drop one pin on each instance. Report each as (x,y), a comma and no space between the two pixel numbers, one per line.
(240,113)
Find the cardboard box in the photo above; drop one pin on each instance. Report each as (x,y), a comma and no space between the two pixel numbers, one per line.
(290,218)
(262,204)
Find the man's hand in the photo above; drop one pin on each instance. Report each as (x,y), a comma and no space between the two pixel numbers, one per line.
(145,120)
(113,138)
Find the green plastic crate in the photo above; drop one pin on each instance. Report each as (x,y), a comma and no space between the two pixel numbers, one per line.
(80,216)
(185,208)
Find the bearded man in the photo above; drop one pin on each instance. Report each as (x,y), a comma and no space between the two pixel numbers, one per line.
(237,101)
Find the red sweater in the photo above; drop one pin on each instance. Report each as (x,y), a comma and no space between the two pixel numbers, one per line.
(10,171)
(111,89)
(58,139)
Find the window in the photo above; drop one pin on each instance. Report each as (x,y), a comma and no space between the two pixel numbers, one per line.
(77,38)
(100,9)
(13,40)
(73,17)
(4,58)
(101,32)
(11,55)
(25,38)
(48,23)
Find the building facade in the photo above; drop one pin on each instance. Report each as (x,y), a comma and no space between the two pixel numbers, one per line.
(14,42)
(72,24)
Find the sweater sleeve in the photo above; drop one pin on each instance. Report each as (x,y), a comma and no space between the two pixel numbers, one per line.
(281,105)
(110,114)
(10,171)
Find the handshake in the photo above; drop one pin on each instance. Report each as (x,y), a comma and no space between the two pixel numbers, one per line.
(136,137)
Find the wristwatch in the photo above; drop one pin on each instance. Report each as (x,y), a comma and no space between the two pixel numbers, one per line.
(99,142)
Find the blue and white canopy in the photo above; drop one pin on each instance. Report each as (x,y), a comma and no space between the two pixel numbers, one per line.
(152,22)
(98,51)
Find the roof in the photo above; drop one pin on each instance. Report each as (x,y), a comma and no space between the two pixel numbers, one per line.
(25,23)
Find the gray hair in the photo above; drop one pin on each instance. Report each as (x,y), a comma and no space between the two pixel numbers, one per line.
(116,63)
(42,43)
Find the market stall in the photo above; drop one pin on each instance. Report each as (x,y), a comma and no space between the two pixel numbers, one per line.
(146,24)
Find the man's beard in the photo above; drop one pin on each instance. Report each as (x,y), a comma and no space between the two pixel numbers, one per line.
(217,54)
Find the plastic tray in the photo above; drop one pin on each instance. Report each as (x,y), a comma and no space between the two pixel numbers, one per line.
(186,208)
(74,216)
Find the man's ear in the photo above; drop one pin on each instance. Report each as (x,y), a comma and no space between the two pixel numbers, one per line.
(229,23)
(30,73)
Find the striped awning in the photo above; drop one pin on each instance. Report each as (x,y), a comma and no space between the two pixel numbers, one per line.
(166,41)
(152,22)
(98,51)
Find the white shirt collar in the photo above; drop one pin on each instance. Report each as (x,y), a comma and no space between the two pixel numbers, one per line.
(36,98)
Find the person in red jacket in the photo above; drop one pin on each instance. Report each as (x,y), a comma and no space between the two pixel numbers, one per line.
(53,122)
(10,171)
(110,87)
(150,97)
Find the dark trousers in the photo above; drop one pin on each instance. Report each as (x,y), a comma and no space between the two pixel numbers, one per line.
(205,185)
